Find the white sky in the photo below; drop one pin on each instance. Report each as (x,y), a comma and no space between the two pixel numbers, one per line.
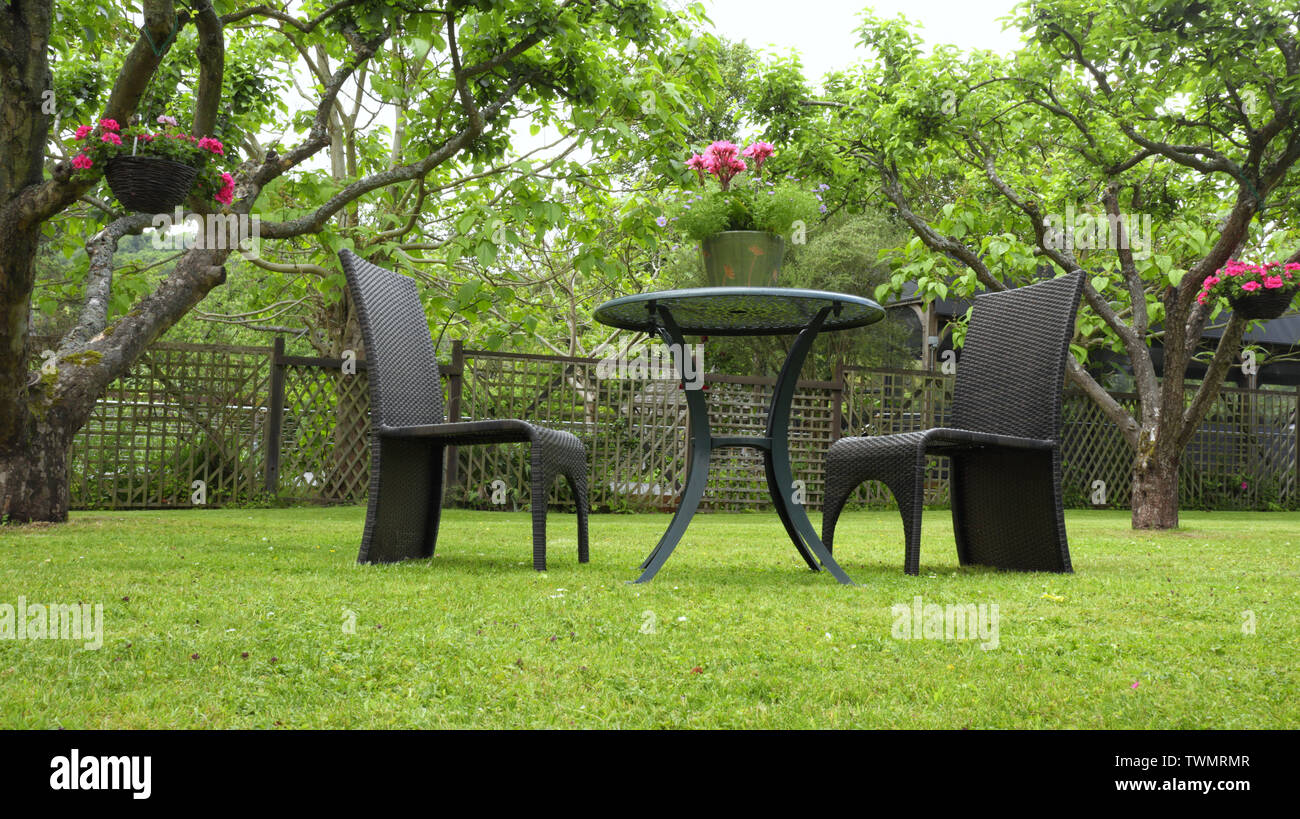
(822,31)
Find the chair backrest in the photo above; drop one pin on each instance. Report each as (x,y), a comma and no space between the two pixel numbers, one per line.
(1012,367)
(405,388)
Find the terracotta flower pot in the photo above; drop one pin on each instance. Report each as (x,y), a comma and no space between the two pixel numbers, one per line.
(1263,304)
(742,258)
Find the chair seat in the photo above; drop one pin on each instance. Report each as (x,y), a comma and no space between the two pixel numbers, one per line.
(945,438)
(502,431)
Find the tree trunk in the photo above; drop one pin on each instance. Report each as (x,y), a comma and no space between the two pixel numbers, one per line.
(34,478)
(1155,492)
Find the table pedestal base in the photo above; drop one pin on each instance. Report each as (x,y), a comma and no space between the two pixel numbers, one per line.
(775,445)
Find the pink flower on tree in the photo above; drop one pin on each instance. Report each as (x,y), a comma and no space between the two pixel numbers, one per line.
(213,145)
(82,161)
(1236,278)
(82,132)
(166,120)
(227,193)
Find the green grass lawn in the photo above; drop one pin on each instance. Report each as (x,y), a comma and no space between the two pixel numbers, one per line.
(242,618)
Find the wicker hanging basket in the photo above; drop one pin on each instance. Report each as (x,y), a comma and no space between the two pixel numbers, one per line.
(1268,304)
(150,184)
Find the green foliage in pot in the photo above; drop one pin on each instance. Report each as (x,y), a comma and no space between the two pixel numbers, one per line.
(727,201)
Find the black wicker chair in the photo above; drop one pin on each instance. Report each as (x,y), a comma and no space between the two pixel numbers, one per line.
(1004,442)
(408,433)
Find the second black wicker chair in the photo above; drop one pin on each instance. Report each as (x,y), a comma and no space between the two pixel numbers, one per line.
(409,435)
(1004,443)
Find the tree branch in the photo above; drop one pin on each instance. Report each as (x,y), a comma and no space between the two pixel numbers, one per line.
(99,279)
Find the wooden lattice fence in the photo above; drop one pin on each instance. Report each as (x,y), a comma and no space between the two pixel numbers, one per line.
(186,413)
(253,423)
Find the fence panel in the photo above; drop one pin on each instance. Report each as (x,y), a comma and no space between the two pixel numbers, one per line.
(324,449)
(184,413)
(189,413)
(884,402)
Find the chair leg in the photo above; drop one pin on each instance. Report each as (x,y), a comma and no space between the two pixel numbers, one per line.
(541,482)
(911,502)
(838,489)
(578,483)
(405,501)
(553,454)
(899,466)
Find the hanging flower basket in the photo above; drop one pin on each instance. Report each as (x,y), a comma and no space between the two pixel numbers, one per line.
(1255,291)
(1268,304)
(150,184)
(152,170)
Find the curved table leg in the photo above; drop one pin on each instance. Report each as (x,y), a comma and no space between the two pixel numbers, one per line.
(697,469)
(780,477)
(774,484)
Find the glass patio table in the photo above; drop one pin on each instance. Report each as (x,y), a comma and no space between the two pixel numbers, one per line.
(742,311)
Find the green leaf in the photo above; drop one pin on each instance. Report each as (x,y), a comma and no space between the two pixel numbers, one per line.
(466,295)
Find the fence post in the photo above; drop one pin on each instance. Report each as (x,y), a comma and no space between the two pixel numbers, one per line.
(455,385)
(276,421)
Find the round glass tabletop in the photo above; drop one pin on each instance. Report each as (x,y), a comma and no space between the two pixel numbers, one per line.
(739,311)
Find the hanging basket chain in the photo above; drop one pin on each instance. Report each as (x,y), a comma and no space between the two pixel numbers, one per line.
(167,41)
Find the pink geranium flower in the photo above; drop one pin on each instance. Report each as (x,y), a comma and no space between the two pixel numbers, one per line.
(112,138)
(696,163)
(1237,278)
(82,131)
(760,152)
(723,161)
(227,193)
(109,125)
(213,145)
(81,162)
